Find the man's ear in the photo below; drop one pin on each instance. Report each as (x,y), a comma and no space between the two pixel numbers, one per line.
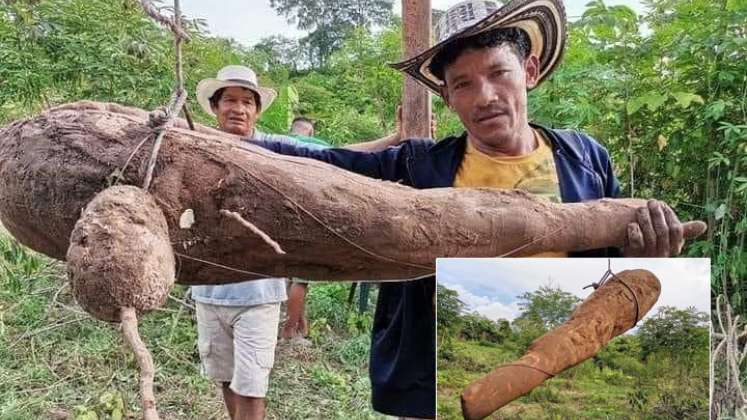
(531,70)
(213,108)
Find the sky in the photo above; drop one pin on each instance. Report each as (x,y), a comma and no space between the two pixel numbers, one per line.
(491,286)
(248,21)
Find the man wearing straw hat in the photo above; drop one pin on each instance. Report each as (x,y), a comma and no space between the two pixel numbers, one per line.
(237,323)
(485,62)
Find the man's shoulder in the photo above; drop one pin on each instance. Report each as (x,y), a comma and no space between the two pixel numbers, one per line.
(263,136)
(417,144)
(575,137)
(420,146)
(285,139)
(574,143)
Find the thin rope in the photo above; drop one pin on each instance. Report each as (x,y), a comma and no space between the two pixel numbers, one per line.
(187,257)
(635,301)
(262,275)
(122,170)
(605,277)
(339,235)
(550,375)
(179,96)
(535,240)
(171,112)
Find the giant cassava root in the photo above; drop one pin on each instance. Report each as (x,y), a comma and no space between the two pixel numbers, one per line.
(330,223)
(121,264)
(612,309)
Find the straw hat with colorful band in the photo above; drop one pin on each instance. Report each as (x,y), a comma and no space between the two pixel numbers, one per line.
(544,21)
(228,76)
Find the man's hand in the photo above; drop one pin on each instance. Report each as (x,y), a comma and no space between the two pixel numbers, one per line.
(658,232)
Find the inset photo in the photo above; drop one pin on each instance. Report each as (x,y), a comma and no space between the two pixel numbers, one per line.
(550,338)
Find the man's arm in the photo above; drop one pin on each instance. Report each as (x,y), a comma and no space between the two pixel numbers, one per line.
(388,164)
(376,145)
(390,140)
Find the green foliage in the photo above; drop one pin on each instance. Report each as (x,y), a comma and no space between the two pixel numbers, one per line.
(614,377)
(545,394)
(19,266)
(527,329)
(449,307)
(278,118)
(672,329)
(675,405)
(330,21)
(623,354)
(479,328)
(548,305)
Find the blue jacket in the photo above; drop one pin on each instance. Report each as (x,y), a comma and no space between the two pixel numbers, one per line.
(403,359)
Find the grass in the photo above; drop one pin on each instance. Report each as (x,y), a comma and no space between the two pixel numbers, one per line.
(56,362)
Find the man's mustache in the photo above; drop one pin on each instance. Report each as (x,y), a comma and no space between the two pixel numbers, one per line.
(485,113)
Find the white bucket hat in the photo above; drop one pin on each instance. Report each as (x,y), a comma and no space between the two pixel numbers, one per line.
(544,21)
(228,76)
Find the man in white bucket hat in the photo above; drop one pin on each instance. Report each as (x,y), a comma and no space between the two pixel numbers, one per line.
(488,57)
(237,323)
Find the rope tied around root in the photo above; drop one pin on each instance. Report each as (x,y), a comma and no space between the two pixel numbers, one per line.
(548,374)
(609,275)
(161,119)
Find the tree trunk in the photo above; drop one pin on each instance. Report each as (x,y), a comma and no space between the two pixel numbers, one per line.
(416,38)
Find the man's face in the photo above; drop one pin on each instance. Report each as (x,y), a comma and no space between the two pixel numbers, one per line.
(302,128)
(236,111)
(487,88)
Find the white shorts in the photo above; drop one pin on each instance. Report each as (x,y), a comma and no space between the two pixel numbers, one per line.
(237,345)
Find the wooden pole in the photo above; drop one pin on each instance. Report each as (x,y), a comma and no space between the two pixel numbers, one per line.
(416,38)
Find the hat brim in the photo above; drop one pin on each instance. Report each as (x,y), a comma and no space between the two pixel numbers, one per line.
(544,21)
(207,87)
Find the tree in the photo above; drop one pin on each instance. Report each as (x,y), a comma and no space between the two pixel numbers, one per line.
(478,327)
(281,52)
(449,307)
(677,332)
(330,21)
(547,305)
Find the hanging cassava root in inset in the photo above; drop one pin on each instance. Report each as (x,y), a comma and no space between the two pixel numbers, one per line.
(331,224)
(612,309)
(121,264)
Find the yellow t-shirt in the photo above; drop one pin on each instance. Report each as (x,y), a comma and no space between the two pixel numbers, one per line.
(534,172)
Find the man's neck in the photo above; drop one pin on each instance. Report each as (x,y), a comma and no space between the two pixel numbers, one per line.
(520,143)
(247,135)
